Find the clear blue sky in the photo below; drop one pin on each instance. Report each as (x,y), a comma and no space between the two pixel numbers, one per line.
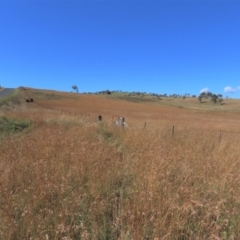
(163,46)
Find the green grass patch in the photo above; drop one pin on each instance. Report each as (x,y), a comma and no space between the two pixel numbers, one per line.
(11,100)
(135,99)
(8,126)
(45,96)
(48,95)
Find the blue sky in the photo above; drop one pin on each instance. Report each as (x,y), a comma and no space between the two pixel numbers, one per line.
(163,46)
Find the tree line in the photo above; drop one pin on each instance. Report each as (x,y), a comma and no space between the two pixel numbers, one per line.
(207,95)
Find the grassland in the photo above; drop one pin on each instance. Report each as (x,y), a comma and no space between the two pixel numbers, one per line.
(70,177)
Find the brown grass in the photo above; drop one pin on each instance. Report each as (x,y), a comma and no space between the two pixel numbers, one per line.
(73,178)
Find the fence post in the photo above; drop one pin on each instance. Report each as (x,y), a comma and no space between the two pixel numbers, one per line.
(172,131)
(220,137)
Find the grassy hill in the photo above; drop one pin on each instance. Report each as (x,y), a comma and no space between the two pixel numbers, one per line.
(138,110)
(64,175)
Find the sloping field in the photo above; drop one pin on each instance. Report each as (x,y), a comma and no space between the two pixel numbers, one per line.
(64,175)
(178,112)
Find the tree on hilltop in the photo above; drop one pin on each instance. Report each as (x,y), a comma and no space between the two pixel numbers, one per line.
(200,99)
(214,98)
(105,92)
(75,88)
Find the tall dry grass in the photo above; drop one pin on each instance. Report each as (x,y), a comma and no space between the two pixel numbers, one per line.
(71,178)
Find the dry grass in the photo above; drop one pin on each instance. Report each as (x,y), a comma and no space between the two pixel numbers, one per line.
(73,178)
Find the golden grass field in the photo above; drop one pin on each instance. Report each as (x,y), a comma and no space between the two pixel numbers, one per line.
(67,176)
